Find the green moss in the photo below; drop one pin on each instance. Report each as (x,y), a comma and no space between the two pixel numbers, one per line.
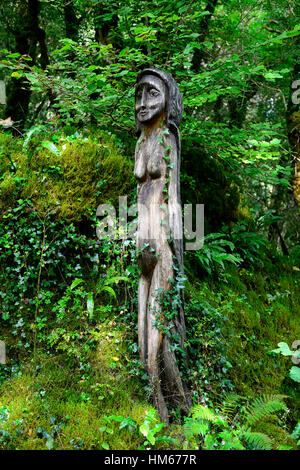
(85,174)
(29,413)
(50,394)
(273,428)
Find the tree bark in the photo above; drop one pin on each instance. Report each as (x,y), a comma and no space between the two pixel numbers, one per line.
(28,35)
(203,30)
(72,22)
(293,130)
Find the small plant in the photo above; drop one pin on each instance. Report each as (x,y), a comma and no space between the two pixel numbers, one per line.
(103,285)
(149,429)
(284,349)
(249,243)
(217,251)
(231,427)
(296,433)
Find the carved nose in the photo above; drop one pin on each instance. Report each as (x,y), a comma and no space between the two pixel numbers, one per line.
(143,99)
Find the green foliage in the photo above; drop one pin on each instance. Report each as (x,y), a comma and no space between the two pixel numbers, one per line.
(68,302)
(231,327)
(261,407)
(214,256)
(39,418)
(295,374)
(207,362)
(231,427)
(284,349)
(296,433)
(149,429)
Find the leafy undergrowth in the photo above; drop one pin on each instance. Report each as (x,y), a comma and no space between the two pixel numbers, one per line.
(56,402)
(235,325)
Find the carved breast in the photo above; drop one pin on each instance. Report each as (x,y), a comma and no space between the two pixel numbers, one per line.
(149,160)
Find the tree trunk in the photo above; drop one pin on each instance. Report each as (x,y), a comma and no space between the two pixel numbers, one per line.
(27,35)
(104,29)
(293,129)
(72,23)
(238,106)
(203,30)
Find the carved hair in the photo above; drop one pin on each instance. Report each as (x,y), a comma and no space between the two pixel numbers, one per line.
(173,100)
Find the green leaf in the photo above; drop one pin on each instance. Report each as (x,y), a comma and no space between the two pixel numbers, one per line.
(30,133)
(117,418)
(76,283)
(151,439)
(272,75)
(50,443)
(110,291)
(90,304)
(144,429)
(258,440)
(16,75)
(295,373)
(50,146)
(116,279)
(284,350)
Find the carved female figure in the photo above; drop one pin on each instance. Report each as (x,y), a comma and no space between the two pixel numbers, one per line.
(158,111)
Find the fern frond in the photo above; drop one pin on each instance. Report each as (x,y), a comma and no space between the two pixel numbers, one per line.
(203,413)
(109,290)
(229,405)
(257,440)
(116,279)
(262,407)
(194,428)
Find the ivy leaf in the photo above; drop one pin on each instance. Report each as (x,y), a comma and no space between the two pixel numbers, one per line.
(295,374)
(283,349)
(144,429)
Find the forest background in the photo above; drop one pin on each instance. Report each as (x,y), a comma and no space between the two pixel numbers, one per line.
(72,378)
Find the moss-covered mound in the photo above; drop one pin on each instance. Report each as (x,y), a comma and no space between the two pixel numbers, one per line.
(71,177)
(51,405)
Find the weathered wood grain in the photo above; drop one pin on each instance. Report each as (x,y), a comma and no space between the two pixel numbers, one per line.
(159,237)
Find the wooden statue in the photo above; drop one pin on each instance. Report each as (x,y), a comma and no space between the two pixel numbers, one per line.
(158,112)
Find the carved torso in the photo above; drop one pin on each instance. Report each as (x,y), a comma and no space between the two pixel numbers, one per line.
(150,149)
(155,169)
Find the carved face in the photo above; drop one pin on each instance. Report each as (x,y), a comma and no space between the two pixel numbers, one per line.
(150,99)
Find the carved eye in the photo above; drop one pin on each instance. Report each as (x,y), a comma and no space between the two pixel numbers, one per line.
(153,92)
